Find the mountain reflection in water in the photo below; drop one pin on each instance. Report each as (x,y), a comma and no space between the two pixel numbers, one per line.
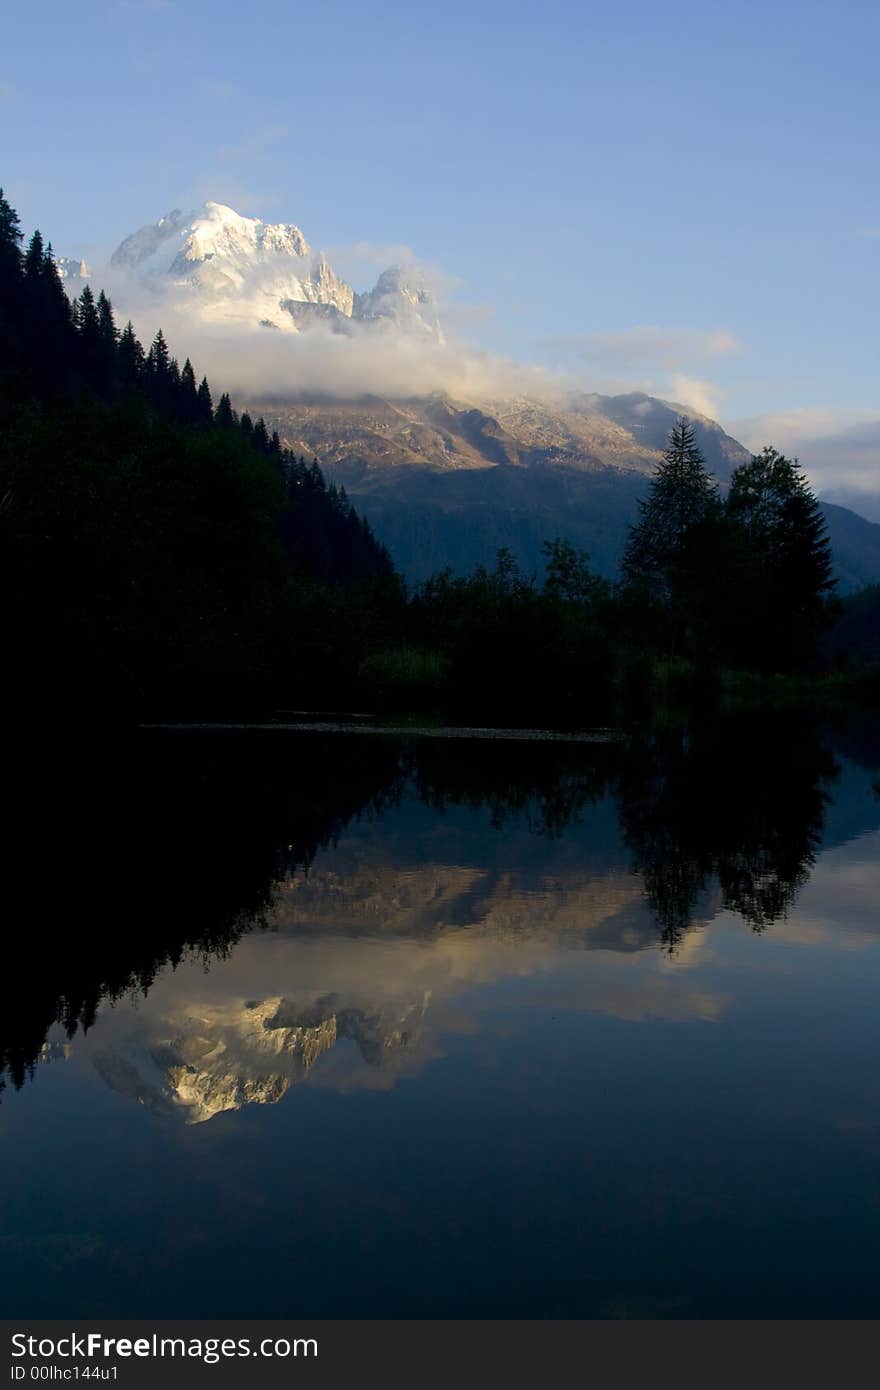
(201,923)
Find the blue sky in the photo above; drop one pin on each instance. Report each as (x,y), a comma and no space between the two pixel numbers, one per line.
(703,171)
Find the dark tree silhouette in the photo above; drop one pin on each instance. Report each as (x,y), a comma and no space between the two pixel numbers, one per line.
(771,501)
(682,496)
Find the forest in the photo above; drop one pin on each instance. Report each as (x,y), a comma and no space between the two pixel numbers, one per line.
(164,557)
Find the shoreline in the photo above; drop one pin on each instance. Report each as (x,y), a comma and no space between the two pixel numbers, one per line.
(404,730)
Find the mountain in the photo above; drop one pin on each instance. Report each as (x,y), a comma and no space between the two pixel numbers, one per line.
(74,274)
(447,482)
(199,1063)
(224,267)
(443,480)
(864,504)
(855,542)
(367,439)
(400,300)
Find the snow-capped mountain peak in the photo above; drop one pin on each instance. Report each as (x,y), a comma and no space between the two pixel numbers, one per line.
(141,245)
(73,273)
(400,298)
(220,265)
(219,231)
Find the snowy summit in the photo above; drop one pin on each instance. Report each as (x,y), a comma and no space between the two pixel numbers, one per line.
(234,268)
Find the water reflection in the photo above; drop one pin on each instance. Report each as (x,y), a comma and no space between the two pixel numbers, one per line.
(368,1027)
(741,805)
(476,860)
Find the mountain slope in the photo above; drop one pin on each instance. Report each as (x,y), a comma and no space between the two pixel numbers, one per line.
(856,546)
(572,465)
(363,440)
(447,482)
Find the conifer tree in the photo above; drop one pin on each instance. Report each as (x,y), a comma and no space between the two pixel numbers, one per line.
(87,315)
(159,359)
(204,404)
(261,436)
(130,357)
(109,336)
(10,246)
(790,554)
(91,347)
(10,285)
(224,415)
(48,328)
(56,303)
(682,496)
(33,260)
(107,324)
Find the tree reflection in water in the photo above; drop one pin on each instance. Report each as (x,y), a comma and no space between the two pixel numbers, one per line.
(124,860)
(741,802)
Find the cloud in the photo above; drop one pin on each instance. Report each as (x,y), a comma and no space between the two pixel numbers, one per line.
(345,358)
(838,449)
(703,396)
(790,426)
(361,262)
(248,360)
(644,345)
(367,361)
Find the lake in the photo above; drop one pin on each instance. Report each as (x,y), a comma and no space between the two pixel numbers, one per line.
(361,1026)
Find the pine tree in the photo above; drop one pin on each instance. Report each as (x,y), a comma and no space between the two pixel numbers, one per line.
(91,346)
(130,357)
(159,359)
(56,303)
(771,501)
(86,315)
(683,495)
(261,436)
(107,323)
(33,260)
(109,336)
(224,415)
(11,288)
(48,322)
(10,247)
(204,404)
(188,394)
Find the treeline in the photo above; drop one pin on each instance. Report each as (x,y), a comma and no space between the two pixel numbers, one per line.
(742,581)
(854,641)
(158,551)
(712,587)
(209,828)
(161,555)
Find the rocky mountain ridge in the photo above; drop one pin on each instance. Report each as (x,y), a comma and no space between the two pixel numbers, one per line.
(449,482)
(221,266)
(444,480)
(201,1062)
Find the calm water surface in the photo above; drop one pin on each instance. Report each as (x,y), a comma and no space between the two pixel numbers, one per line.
(365,1027)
